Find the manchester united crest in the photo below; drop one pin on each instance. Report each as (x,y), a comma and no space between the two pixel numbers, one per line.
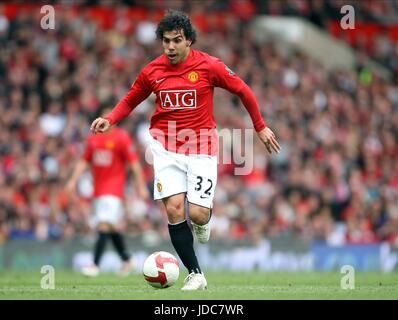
(193,76)
(109,144)
(159,187)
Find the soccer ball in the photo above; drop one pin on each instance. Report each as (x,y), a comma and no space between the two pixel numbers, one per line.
(161,269)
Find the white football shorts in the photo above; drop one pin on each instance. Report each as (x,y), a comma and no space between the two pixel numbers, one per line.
(176,173)
(108,209)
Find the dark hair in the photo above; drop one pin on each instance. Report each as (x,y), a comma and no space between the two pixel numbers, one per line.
(176,20)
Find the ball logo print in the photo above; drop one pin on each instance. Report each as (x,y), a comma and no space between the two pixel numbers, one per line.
(161,269)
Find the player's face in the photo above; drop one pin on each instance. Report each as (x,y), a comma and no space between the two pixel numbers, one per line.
(175,46)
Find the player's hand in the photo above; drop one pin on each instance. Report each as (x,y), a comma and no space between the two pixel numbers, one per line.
(100,125)
(269,140)
(143,193)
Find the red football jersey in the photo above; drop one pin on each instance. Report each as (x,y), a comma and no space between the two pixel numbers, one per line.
(183,121)
(109,153)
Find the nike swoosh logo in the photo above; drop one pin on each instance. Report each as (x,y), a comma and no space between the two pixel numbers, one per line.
(160,80)
(202,197)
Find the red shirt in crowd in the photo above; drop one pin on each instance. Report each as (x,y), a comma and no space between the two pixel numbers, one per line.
(183,121)
(108,154)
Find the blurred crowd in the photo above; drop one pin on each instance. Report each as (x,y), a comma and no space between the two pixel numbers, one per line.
(376,23)
(321,12)
(336,179)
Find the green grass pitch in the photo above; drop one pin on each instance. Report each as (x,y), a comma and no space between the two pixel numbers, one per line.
(222,286)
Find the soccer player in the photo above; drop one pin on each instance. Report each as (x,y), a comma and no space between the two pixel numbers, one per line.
(184,133)
(109,155)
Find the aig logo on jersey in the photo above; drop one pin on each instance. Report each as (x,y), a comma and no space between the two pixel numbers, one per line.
(178,99)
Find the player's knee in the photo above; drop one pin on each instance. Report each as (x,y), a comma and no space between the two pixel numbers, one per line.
(199,215)
(175,211)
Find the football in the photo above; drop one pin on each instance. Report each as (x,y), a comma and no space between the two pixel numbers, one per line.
(161,269)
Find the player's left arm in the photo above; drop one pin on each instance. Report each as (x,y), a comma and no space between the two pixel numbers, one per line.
(266,135)
(81,166)
(222,76)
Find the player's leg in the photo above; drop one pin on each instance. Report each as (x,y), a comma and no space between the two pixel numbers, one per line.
(103,229)
(195,279)
(200,218)
(182,240)
(180,233)
(108,210)
(121,248)
(99,248)
(114,218)
(202,180)
(170,185)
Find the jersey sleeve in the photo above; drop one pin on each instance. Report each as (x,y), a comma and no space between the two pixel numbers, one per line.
(223,77)
(139,91)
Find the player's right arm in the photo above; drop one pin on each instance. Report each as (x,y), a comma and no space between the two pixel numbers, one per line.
(139,91)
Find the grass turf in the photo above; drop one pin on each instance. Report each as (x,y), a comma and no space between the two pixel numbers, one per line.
(222,286)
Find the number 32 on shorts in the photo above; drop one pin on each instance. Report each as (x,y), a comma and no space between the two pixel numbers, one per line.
(201,185)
